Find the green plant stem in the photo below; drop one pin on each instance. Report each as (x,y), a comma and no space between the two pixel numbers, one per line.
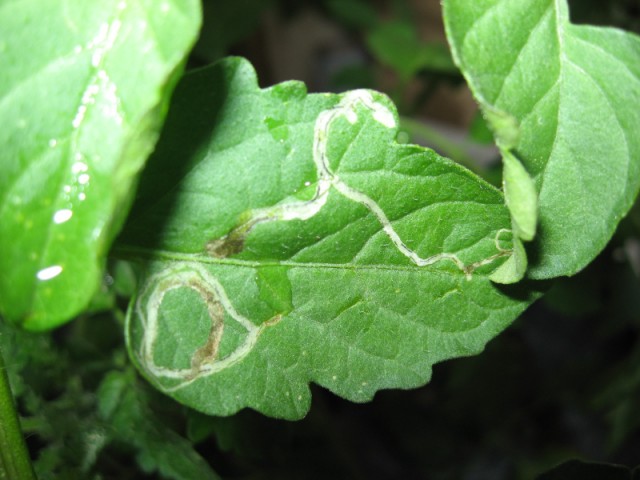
(15,463)
(441,143)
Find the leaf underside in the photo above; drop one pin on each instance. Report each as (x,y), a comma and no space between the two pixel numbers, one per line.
(83,93)
(574,92)
(287,238)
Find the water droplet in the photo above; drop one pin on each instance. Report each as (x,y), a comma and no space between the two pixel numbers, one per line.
(110,102)
(49,272)
(103,41)
(62,216)
(82,196)
(79,167)
(83,178)
(53,142)
(306,184)
(77,120)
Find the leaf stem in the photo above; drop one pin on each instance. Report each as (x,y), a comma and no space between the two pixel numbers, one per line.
(15,463)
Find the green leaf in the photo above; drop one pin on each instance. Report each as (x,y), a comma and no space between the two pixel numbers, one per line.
(397,45)
(520,195)
(354,13)
(83,92)
(289,239)
(574,92)
(124,404)
(514,269)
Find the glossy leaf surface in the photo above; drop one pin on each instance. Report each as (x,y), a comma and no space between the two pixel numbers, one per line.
(83,92)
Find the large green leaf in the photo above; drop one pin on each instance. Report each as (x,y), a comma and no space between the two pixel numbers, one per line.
(288,238)
(83,92)
(566,100)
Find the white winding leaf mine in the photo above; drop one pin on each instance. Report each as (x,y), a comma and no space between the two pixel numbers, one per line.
(205,360)
(233,242)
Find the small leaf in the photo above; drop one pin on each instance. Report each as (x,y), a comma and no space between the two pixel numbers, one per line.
(287,238)
(574,93)
(354,13)
(514,269)
(397,45)
(521,197)
(504,126)
(83,93)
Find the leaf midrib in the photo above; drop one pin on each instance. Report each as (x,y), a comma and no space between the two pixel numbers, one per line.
(136,254)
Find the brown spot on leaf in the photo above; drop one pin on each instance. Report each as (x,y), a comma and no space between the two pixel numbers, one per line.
(233,242)
(226,246)
(209,351)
